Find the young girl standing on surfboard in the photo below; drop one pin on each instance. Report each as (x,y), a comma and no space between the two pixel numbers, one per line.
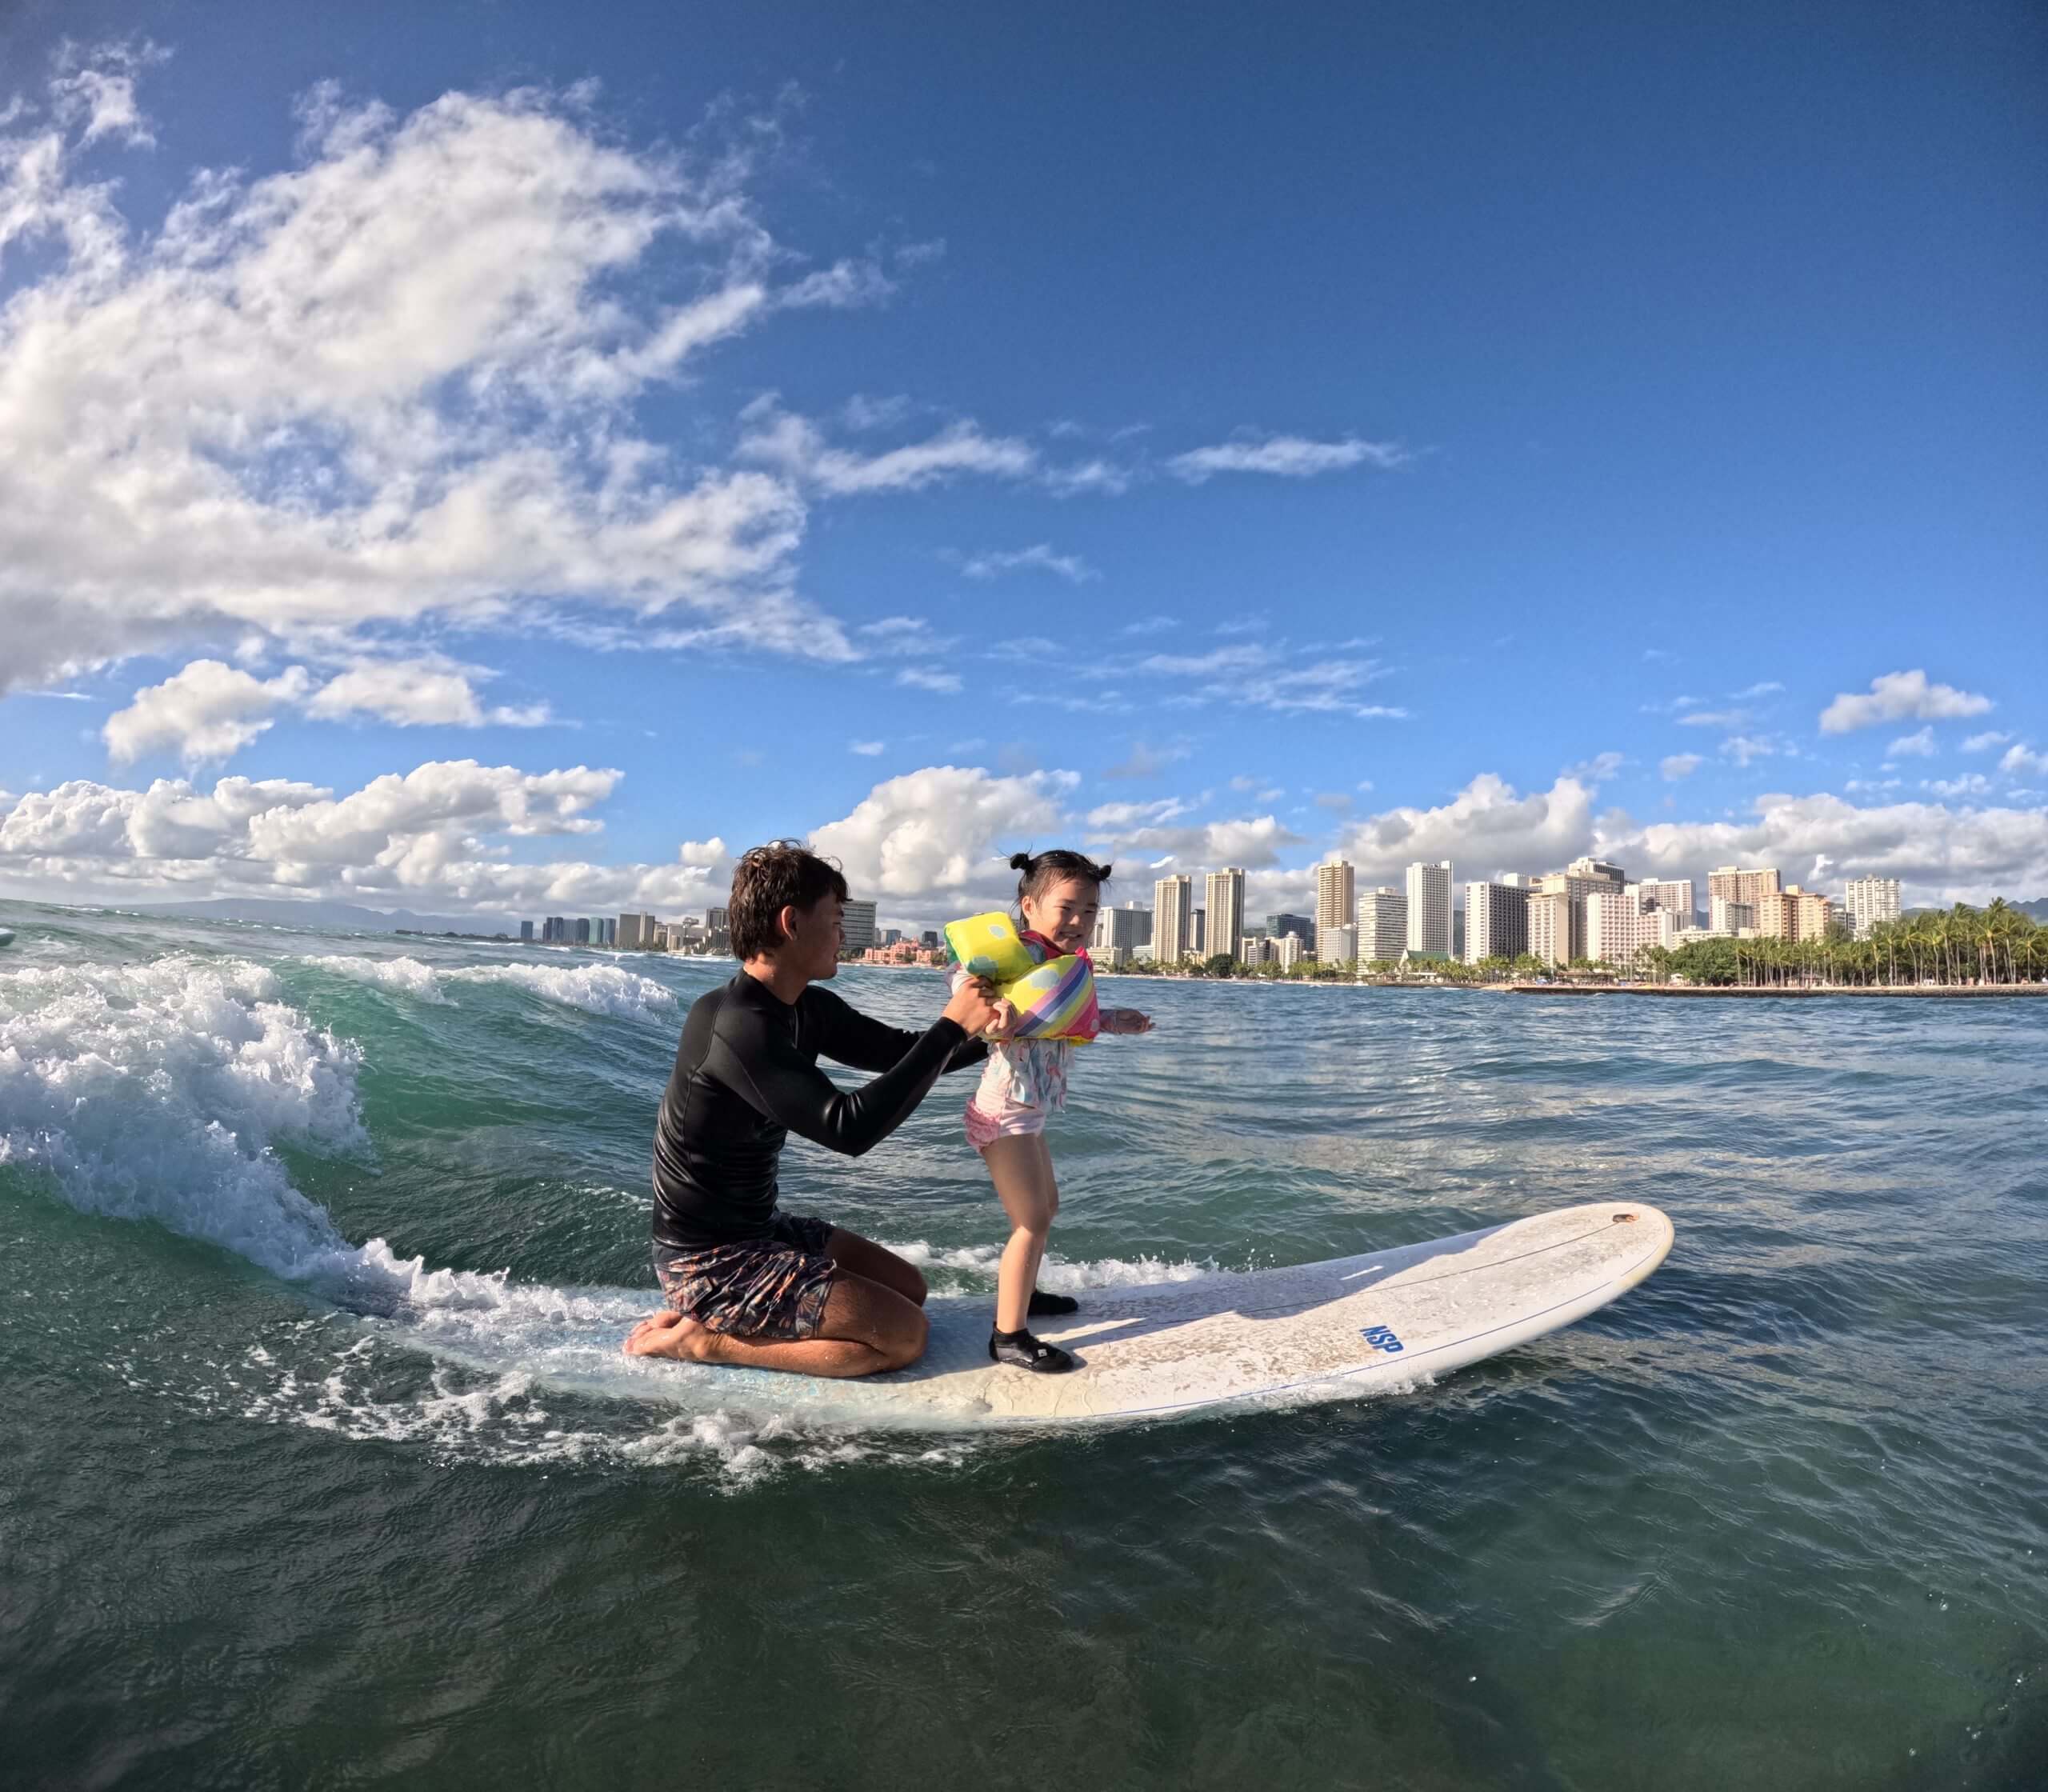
(1024,1084)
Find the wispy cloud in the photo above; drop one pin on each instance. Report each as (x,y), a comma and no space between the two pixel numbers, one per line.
(1291,456)
(1039,558)
(797,448)
(1679,765)
(1920,744)
(867,750)
(921,677)
(1145,760)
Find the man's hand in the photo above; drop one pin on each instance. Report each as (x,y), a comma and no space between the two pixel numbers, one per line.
(1126,1020)
(976,1006)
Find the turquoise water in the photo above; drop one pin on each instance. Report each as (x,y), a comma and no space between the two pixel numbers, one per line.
(1778,1519)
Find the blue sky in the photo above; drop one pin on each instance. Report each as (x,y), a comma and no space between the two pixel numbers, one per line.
(530,460)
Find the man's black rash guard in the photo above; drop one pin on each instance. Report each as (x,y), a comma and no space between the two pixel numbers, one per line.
(747,1076)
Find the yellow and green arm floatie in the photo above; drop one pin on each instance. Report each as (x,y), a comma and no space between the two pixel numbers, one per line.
(1054,999)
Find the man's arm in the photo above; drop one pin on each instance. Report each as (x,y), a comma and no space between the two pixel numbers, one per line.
(760,1063)
(847,1036)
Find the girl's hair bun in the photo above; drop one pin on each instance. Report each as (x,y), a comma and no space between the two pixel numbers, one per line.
(1020,862)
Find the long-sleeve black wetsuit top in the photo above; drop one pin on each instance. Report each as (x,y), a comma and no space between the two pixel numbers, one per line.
(747,1076)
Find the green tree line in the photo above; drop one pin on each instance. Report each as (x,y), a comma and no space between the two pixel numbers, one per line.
(1999,944)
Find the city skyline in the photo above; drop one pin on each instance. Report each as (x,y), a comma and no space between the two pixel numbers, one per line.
(431,486)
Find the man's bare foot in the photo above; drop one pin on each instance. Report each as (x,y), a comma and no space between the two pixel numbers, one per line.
(668,1334)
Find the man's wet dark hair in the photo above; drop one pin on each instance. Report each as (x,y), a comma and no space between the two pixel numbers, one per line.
(1040,871)
(783,874)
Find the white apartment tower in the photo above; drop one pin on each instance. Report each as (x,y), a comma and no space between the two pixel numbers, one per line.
(1336,896)
(1224,893)
(1127,930)
(1619,923)
(1382,925)
(1674,895)
(1172,902)
(1870,903)
(1496,921)
(1429,909)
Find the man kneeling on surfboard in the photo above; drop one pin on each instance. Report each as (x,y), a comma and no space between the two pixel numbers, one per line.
(745,1283)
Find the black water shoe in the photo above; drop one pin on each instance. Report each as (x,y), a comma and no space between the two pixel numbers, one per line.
(1043,1303)
(1021,1350)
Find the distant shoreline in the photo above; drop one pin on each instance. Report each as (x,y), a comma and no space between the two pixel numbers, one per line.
(1925,992)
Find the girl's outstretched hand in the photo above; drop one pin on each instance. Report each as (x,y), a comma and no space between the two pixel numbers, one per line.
(1126,1020)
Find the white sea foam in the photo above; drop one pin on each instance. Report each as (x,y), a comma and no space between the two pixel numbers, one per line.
(401,976)
(595,988)
(158,1092)
(511,1417)
(975,1267)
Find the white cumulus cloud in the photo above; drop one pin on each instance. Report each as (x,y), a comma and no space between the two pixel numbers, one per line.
(206,713)
(945,830)
(1900,697)
(394,381)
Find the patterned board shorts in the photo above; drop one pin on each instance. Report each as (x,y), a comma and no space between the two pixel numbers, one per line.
(773,1287)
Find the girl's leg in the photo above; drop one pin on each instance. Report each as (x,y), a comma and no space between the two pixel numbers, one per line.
(1021,1165)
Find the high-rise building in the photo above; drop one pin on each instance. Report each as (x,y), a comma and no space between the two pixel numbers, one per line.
(929,939)
(718,921)
(1557,926)
(1255,949)
(859,926)
(1382,925)
(579,931)
(1794,914)
(1724,915)
(1619,923)
(1749,887)
(1226,894)
(636,933)
(1337,945)
(1429,909)
(1871,902)
(1172,901)
(1336,897)
(1128,928)
(1276,924)
(1287,950)
(1496,921)
(1197,932)
(1674,895)
(1596,870)
(526,932)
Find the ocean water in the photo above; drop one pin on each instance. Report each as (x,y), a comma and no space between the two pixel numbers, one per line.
(294,1489)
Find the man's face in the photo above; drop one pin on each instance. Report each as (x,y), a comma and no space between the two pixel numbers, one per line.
(818,935)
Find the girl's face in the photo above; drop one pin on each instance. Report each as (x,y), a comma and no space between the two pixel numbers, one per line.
(1064,912)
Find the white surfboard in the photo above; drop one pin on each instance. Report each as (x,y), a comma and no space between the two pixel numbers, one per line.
(1354,1325)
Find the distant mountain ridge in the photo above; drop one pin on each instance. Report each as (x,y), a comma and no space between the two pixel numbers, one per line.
(269,910)
(2036,910)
